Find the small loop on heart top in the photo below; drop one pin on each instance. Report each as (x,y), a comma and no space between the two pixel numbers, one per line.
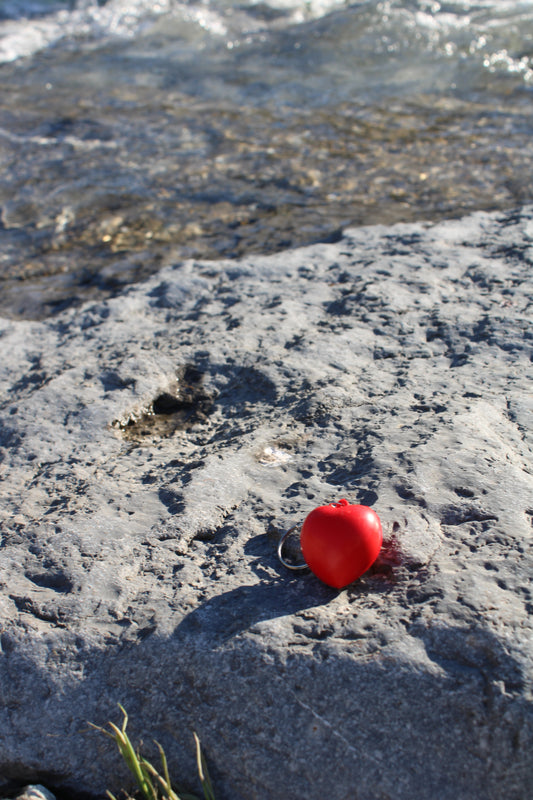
(280,551)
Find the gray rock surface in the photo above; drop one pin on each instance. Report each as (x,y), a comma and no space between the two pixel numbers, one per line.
(152,449)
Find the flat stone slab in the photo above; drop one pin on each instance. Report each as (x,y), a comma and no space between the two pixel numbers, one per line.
(154,447)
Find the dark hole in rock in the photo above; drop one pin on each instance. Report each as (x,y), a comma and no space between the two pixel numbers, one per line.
(57,581)
(184,405)
(167,404)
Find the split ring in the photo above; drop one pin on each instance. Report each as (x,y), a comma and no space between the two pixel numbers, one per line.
(282,541)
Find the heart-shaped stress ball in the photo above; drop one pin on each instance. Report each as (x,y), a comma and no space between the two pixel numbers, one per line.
(340,542)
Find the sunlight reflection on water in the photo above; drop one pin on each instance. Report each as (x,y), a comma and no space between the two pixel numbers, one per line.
(135,134)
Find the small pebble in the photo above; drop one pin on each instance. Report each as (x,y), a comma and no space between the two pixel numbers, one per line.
(35,792)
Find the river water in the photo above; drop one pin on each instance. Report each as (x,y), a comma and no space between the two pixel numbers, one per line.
(135,134)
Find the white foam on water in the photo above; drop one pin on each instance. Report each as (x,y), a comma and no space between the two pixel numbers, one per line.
(453,29)
(26,35)
(33,26)
(497,32)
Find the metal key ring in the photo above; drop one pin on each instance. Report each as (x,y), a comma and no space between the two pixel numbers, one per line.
(282,541)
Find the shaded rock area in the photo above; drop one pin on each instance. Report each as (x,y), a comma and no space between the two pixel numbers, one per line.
(153,448)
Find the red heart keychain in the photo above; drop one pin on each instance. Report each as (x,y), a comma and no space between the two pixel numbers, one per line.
(339,542)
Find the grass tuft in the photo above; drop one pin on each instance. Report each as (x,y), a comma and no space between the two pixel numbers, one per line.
(152,784)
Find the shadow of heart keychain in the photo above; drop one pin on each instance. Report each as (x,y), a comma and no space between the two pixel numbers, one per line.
(339,542)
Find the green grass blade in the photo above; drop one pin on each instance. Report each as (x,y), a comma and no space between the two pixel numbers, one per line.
(125,718)
(170,791)
(131,758)
(203,772)
(101,730)
(151,784)
(151,773)
(165,766)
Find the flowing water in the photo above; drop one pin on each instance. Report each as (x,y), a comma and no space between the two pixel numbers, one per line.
(136,133)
